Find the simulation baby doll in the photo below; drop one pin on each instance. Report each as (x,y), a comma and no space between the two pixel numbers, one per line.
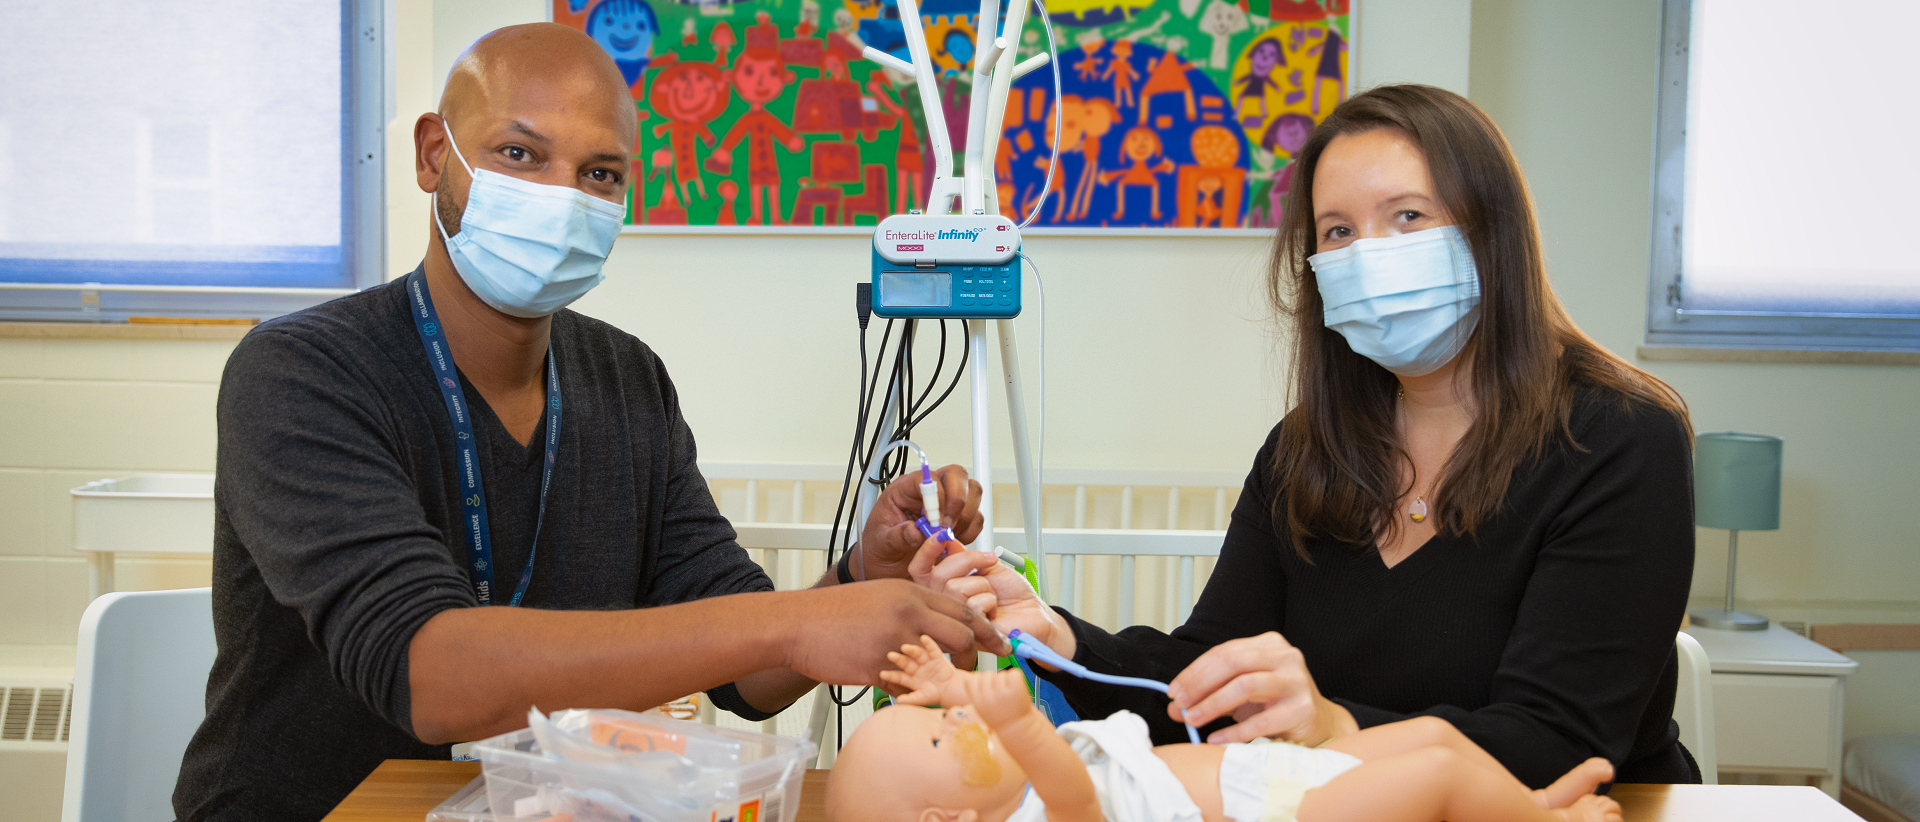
(991,756)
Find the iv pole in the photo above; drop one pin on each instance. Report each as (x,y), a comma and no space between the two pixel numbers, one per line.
(994,71)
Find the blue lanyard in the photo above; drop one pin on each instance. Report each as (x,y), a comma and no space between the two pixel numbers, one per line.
(473,498)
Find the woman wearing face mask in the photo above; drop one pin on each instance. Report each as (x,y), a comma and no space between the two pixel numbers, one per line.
(1473,512)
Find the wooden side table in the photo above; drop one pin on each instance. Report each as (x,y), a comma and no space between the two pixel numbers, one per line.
(1777,703)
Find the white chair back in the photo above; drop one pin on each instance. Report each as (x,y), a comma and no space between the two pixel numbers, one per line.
(1693,706)
(139,692)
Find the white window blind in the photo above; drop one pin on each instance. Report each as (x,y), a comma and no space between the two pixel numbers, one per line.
(1786,164)
(1801,157)
(179,143)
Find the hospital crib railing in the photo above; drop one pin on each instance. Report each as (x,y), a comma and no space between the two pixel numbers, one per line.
(1124,547)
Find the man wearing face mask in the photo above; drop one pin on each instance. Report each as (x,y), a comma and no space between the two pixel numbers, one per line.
(448,499)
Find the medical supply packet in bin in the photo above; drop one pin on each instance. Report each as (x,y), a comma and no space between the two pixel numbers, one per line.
(622,766)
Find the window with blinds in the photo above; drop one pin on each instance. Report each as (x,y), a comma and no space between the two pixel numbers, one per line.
(188,157)
(1784,164)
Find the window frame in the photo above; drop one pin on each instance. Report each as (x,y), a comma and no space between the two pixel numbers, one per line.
(363,87)
(1670,323)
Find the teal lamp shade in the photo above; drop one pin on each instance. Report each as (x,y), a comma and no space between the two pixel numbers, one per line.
(1736,481)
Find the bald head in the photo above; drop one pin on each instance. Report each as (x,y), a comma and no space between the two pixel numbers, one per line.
(541,102)
(539,62)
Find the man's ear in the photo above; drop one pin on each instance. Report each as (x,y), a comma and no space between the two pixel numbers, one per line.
(429,151)
(949,815)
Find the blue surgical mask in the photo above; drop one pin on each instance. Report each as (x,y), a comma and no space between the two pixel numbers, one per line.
(1408,302)
(529,249)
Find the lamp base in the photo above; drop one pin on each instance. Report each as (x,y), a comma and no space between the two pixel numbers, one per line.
(1725,620)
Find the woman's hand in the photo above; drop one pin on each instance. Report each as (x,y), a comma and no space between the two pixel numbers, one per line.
(1263,683)
(890,540)
(1003,595)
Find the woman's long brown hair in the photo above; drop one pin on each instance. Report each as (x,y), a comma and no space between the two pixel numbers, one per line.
(1338,462)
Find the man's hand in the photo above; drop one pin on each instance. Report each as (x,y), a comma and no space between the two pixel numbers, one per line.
(1000,697)
(842,633)
(890,540)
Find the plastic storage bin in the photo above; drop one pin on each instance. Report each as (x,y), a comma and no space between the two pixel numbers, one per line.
(722,775)
(148,513)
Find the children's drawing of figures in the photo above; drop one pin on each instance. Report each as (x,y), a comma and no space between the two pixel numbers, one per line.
(1331,69)
(1057,186)
(1120,70)
(733,98)
(1083,123)
(1265,57)
(759,78)
(723,40)
(691,95)
(1222,21)
(1287,134)
(1088,66)
(625,29)
(809,19)
(669,210)
(1141,146)
(908,165)
(1168,76)
(1211,190)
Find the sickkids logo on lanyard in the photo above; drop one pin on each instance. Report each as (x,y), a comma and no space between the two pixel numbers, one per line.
(473,497)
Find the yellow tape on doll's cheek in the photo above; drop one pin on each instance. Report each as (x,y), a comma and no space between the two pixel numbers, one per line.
(972,747)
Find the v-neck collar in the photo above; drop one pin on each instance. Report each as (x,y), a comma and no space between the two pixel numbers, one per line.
(526,455)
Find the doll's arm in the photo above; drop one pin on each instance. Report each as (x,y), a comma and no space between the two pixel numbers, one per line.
(1057,774)
(1002,701)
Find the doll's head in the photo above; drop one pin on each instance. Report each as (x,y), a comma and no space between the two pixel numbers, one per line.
(911,764)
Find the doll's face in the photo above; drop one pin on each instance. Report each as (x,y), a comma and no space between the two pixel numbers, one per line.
(906,762)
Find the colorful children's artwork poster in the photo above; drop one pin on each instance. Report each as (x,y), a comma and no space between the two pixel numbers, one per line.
(1173,113)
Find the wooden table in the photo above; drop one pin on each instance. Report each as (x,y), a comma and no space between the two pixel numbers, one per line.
(403,790)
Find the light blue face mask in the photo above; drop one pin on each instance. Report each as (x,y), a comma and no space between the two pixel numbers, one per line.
(529,249)
(1408,302)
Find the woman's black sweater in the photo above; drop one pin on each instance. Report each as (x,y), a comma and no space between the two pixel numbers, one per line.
(1547,638)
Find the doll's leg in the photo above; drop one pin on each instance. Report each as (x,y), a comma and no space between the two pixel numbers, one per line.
(1437,783)
(1427,731)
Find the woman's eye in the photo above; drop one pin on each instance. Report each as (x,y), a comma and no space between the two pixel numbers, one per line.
(1339,232)
(1410,216)
(518,154)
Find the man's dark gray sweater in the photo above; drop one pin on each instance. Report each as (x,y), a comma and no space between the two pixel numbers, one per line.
(335,498)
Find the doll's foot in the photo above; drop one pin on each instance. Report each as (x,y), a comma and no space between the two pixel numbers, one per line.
(1579,782)
(1590,808)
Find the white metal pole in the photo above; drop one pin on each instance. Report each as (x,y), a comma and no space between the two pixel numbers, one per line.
(1030,482)
(982,430)
(977,176)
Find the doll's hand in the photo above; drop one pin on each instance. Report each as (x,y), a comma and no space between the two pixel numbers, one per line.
(1000,697)
(933,680)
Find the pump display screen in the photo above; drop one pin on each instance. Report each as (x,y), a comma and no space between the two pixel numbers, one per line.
(903,289)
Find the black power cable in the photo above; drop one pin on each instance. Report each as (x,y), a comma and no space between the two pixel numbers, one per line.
(902,381)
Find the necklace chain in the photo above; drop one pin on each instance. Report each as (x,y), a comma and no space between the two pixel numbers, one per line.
(1417,510)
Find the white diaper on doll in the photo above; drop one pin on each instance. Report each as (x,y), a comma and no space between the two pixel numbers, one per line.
(1259,782)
